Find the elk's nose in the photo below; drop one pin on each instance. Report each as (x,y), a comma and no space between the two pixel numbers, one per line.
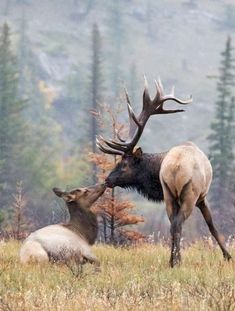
(103,186)
(108,183)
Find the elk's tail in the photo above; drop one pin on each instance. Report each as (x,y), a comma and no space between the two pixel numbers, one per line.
(177,198)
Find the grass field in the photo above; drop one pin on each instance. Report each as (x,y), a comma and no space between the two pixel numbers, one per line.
(136,278)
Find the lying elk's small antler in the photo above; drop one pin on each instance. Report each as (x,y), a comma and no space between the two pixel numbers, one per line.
(137,124)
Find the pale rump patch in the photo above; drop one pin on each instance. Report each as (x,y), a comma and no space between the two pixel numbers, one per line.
(56,239)
(32,251)
(186,163)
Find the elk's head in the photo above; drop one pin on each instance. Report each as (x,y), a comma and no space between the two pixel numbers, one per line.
(83,197)
(126,171)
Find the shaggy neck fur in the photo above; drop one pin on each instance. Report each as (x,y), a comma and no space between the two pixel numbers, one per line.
(147,181)
(83,222)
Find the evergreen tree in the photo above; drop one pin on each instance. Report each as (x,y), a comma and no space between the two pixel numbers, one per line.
(12,126)
(221,138)
(22,54)
(76,91)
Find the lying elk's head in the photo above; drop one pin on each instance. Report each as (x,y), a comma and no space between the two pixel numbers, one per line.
(126,170)
(83,197)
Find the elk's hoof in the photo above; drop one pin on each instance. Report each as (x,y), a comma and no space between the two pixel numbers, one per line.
(175,262)
(227,256)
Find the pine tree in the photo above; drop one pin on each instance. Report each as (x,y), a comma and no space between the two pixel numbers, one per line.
(23,55)
(221,139)
(12,126)
(116,26)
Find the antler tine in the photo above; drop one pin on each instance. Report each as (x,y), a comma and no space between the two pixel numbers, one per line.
(179,101)
(145,83)
(107,150)
(173,90)
(146,96)
(119,137)
(133,120)
(125,146)
(130,109)
(160,98)
(127,96)
(113,144)
(132,114)
(159,87)
(160,108)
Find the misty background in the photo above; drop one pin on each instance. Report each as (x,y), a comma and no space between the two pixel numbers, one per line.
(179,41)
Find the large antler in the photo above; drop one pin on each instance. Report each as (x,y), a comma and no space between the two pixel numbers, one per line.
(137,124)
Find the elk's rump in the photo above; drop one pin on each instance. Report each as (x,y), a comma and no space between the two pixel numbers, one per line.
(60,243)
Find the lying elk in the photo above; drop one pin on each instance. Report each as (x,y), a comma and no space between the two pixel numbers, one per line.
(181,177)
(69,241)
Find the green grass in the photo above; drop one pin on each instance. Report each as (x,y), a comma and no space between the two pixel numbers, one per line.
(137,278)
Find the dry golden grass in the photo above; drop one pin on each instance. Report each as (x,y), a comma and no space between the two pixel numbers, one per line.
(137,278)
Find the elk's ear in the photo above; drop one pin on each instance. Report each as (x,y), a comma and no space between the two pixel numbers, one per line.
(138,153)
(58,192)
(68,197)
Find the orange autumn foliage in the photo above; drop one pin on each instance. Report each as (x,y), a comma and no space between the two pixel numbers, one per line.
(114,212)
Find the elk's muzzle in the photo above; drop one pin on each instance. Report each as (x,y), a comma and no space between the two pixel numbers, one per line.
(108,183)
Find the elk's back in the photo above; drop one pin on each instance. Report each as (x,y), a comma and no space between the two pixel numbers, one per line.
(185,165)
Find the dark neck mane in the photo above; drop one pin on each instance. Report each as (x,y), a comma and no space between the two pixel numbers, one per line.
(147,181)
(83,222)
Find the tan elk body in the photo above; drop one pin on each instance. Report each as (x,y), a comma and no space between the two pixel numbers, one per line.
(185,175)
(181,176)
(69,241)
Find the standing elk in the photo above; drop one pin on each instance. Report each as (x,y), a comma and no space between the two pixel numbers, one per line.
(181,177)
(67,241)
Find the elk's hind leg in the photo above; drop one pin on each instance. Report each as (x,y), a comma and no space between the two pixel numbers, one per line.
(205,210)
(176,220)
(176,231)
(178,211)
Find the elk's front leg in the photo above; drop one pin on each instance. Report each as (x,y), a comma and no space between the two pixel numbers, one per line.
(93,260)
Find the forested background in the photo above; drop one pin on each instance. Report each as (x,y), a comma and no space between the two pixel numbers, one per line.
(61,61)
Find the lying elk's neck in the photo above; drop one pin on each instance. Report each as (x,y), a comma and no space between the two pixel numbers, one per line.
(83,222)
(147,181)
